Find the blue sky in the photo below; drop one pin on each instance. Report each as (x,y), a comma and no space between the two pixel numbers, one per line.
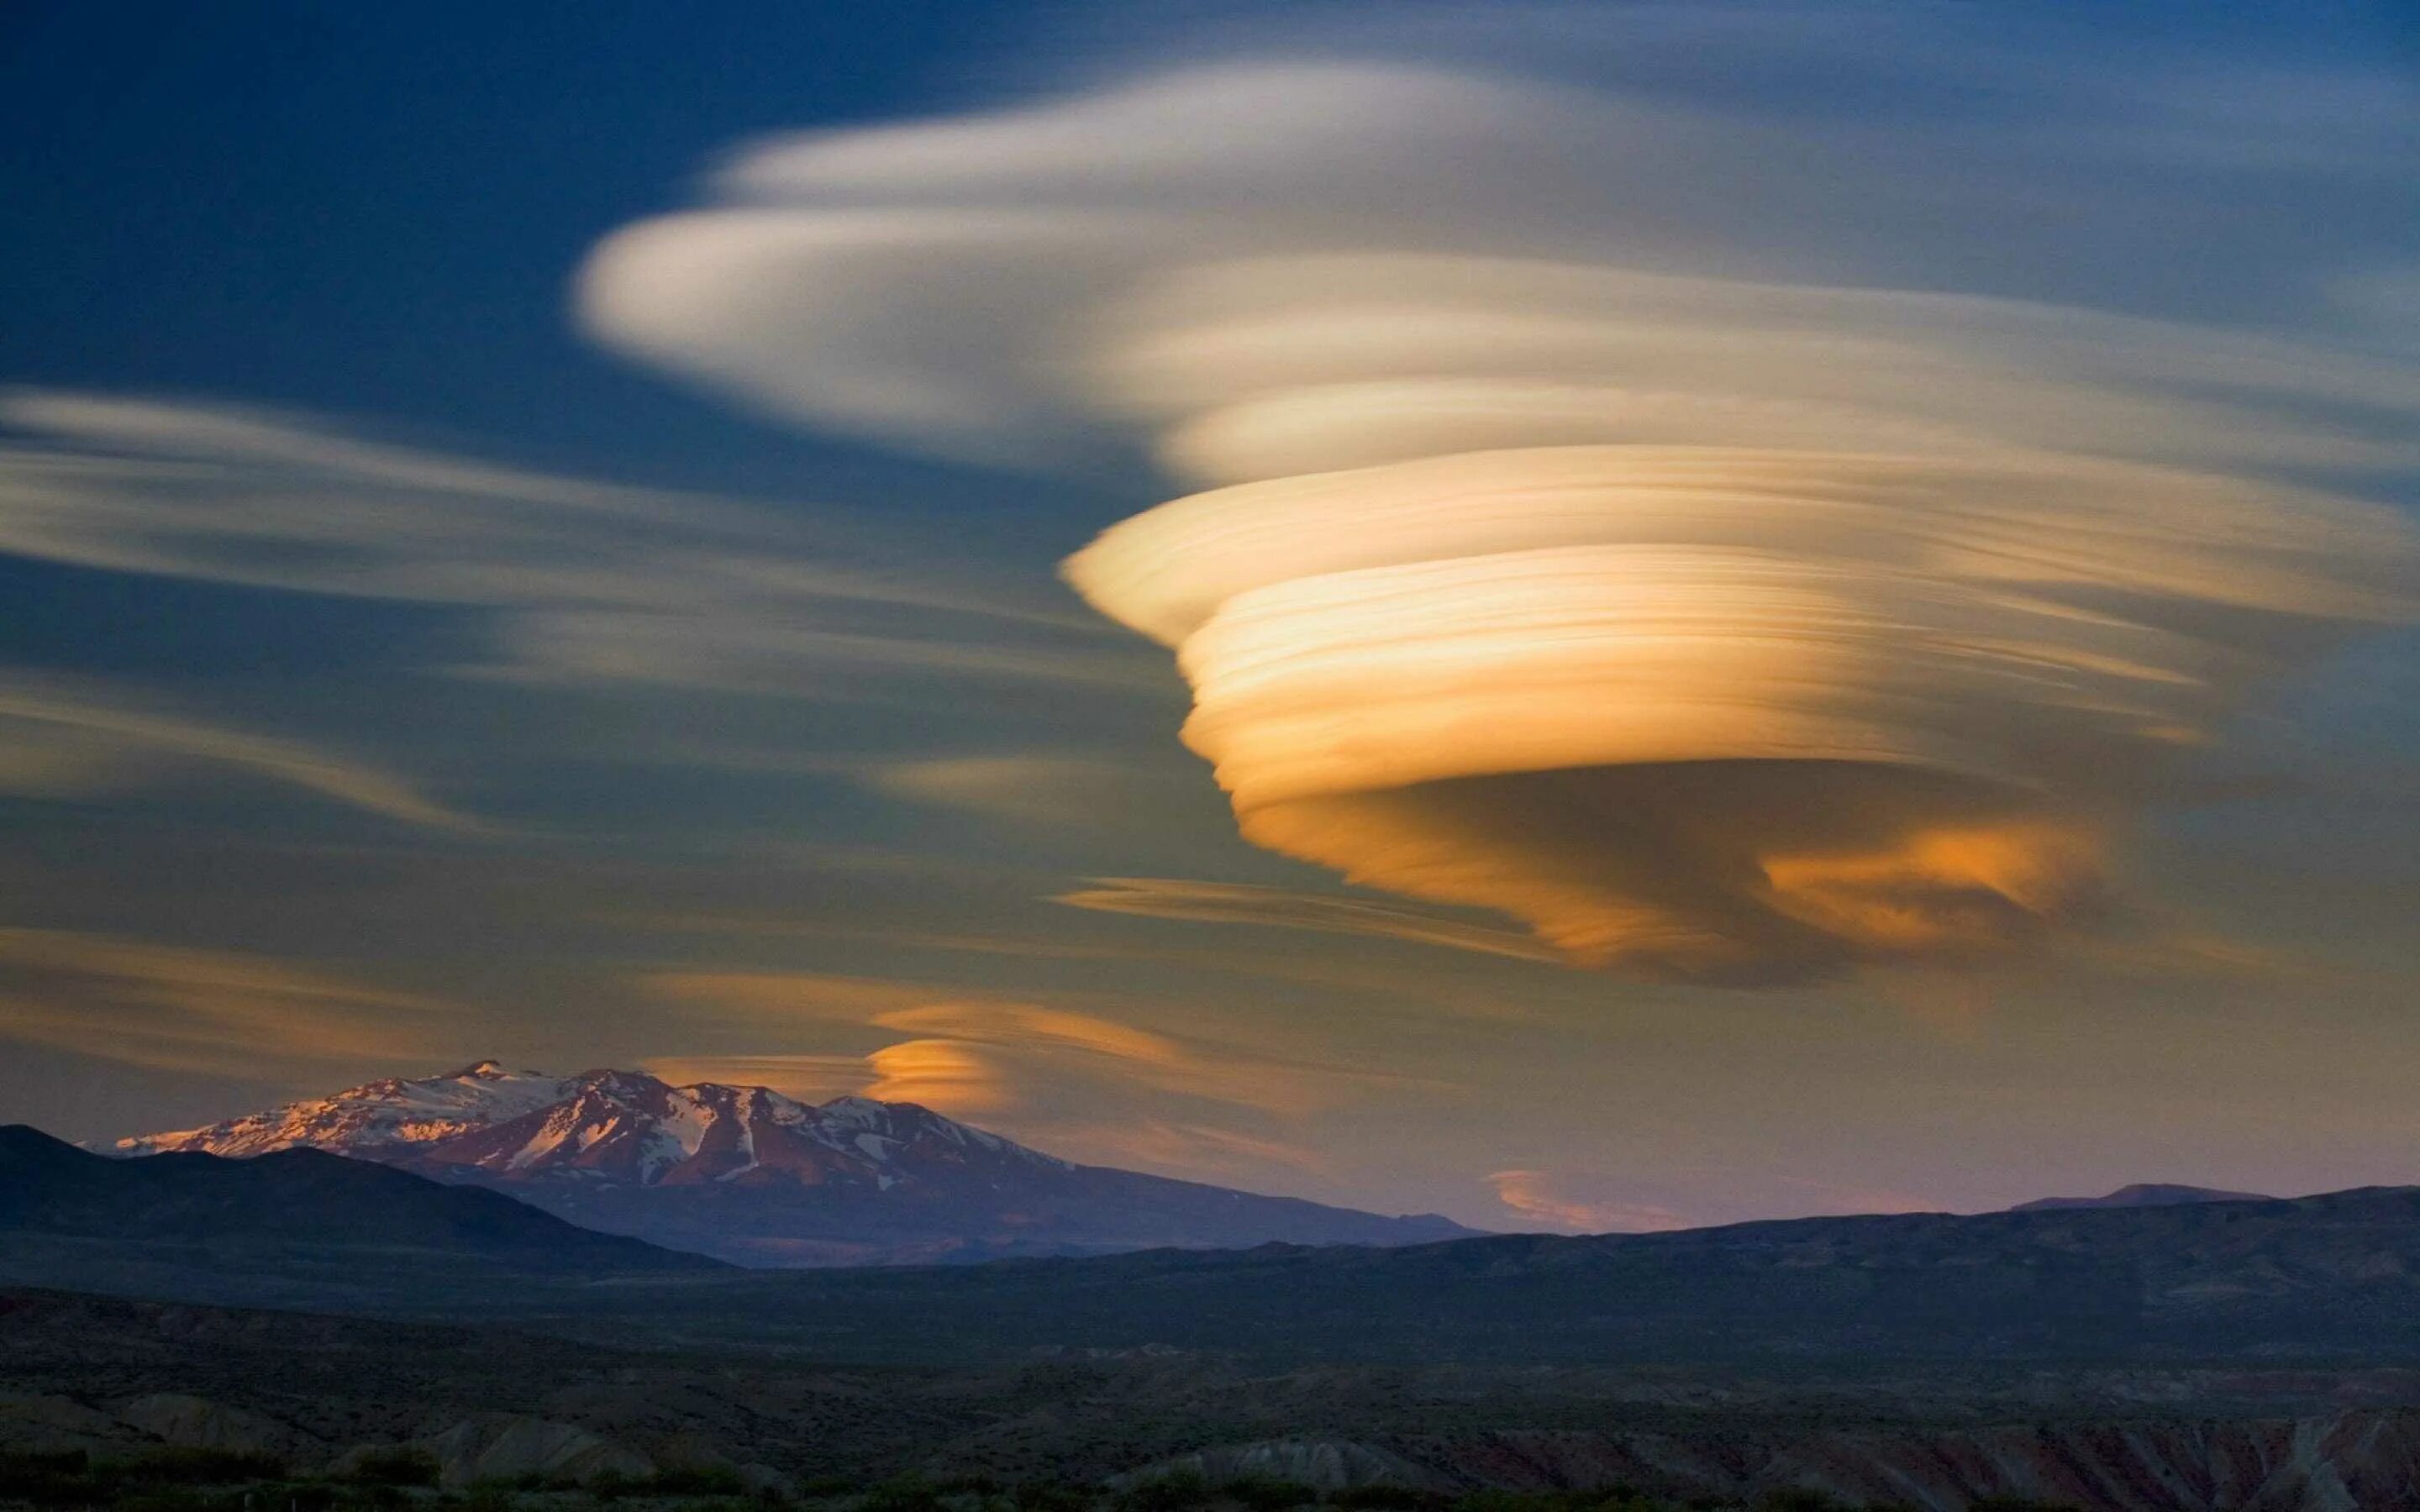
(430,637)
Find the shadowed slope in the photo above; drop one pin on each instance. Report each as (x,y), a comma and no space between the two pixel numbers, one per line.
(292,1209)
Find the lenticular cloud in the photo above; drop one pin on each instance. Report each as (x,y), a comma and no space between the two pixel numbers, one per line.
(1733,628)
(1720,711)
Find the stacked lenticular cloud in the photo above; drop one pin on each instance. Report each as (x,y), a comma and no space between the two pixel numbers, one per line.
(1721,628)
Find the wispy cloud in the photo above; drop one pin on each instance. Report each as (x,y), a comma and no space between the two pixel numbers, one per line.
(1054,791)
(61,735)
(1079,1082)
(808,1078)
(1532,1196)
(1085,1042)
(216,1012)
(597,583)
(1239,902)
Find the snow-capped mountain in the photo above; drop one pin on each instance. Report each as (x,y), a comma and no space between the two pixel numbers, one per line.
(608,1127)
(750,1175)
(374,1114)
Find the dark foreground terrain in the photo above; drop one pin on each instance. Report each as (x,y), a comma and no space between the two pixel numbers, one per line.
(357,1411)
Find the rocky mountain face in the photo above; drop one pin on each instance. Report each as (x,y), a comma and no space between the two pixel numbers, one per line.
(752,1176)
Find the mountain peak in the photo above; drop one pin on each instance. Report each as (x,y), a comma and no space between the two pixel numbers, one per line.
(603,1126)
(854,1106)
(484,1071)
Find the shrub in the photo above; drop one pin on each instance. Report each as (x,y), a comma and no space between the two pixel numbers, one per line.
(164,1498)
(968,1486)
(1267,1493)
(693,1480)
(489,1496)
(906,1493)
(1498,1502)
(1049,1496)
(1614,1498)
(1174,1492)
(202,1467)
(398,1466)
(47,1479)
(1384,1498)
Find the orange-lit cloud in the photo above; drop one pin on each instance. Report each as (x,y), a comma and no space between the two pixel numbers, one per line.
(943,1016)
(1737,628)
(1532,1199)
(942,1074)
(216,1012)
(1081,1084)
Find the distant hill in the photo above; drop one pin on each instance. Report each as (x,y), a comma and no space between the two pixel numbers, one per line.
(2142,1195)
(2333,1277)
(752,1176)
(65,1211)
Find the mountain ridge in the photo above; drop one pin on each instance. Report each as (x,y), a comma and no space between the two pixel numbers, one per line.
(292,1203)
(750,1175)
(2143,1194)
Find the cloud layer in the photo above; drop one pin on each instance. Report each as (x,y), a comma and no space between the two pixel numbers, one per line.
(61,735)
(1077,1082)
(590,582)
(219,1011)
(1733,627)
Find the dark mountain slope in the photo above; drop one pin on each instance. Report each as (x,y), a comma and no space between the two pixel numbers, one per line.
(297,1207)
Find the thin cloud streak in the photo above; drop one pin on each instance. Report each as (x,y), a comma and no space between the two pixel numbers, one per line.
(124,739)
(810,1078)
(1237,903)
(1531,1196)
(1079,1082)
(599,583)
(217,1012)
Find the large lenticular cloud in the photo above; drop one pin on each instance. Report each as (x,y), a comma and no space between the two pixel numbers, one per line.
(1727,628)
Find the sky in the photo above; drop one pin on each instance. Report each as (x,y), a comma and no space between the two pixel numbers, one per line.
(1585,617)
